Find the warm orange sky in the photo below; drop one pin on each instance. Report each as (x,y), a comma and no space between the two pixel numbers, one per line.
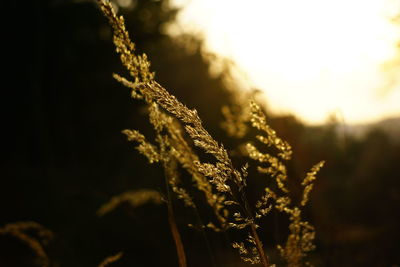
(310,57)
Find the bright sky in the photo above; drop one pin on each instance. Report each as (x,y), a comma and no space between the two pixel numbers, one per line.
(312,58)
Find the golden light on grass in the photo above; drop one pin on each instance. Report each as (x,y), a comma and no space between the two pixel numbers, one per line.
(222,183)
(310,57)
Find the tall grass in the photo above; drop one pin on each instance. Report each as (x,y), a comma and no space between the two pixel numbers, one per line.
(180,143)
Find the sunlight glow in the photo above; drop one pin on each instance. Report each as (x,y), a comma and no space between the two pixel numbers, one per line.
(312,58)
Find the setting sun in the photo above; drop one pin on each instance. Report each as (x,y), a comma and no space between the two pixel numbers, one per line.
(313,58)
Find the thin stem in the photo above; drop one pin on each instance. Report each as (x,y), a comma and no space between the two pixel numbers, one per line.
(180,251)
(203,232)
(176,235)
(259,246)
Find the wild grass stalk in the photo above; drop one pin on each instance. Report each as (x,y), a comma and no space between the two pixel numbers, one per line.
(34,235)
(110,259)
(178,129)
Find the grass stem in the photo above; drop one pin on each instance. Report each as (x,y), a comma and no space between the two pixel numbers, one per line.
(180,251)
(259,246)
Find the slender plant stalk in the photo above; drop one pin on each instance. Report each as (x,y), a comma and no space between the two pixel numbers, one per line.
(180,251)
(177,237)
(203,232)
(259,246)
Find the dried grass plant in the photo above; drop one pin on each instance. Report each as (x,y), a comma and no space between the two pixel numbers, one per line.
(110,259)
(34,235)
(178,130)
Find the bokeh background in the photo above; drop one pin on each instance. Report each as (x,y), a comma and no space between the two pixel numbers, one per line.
(64,154)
